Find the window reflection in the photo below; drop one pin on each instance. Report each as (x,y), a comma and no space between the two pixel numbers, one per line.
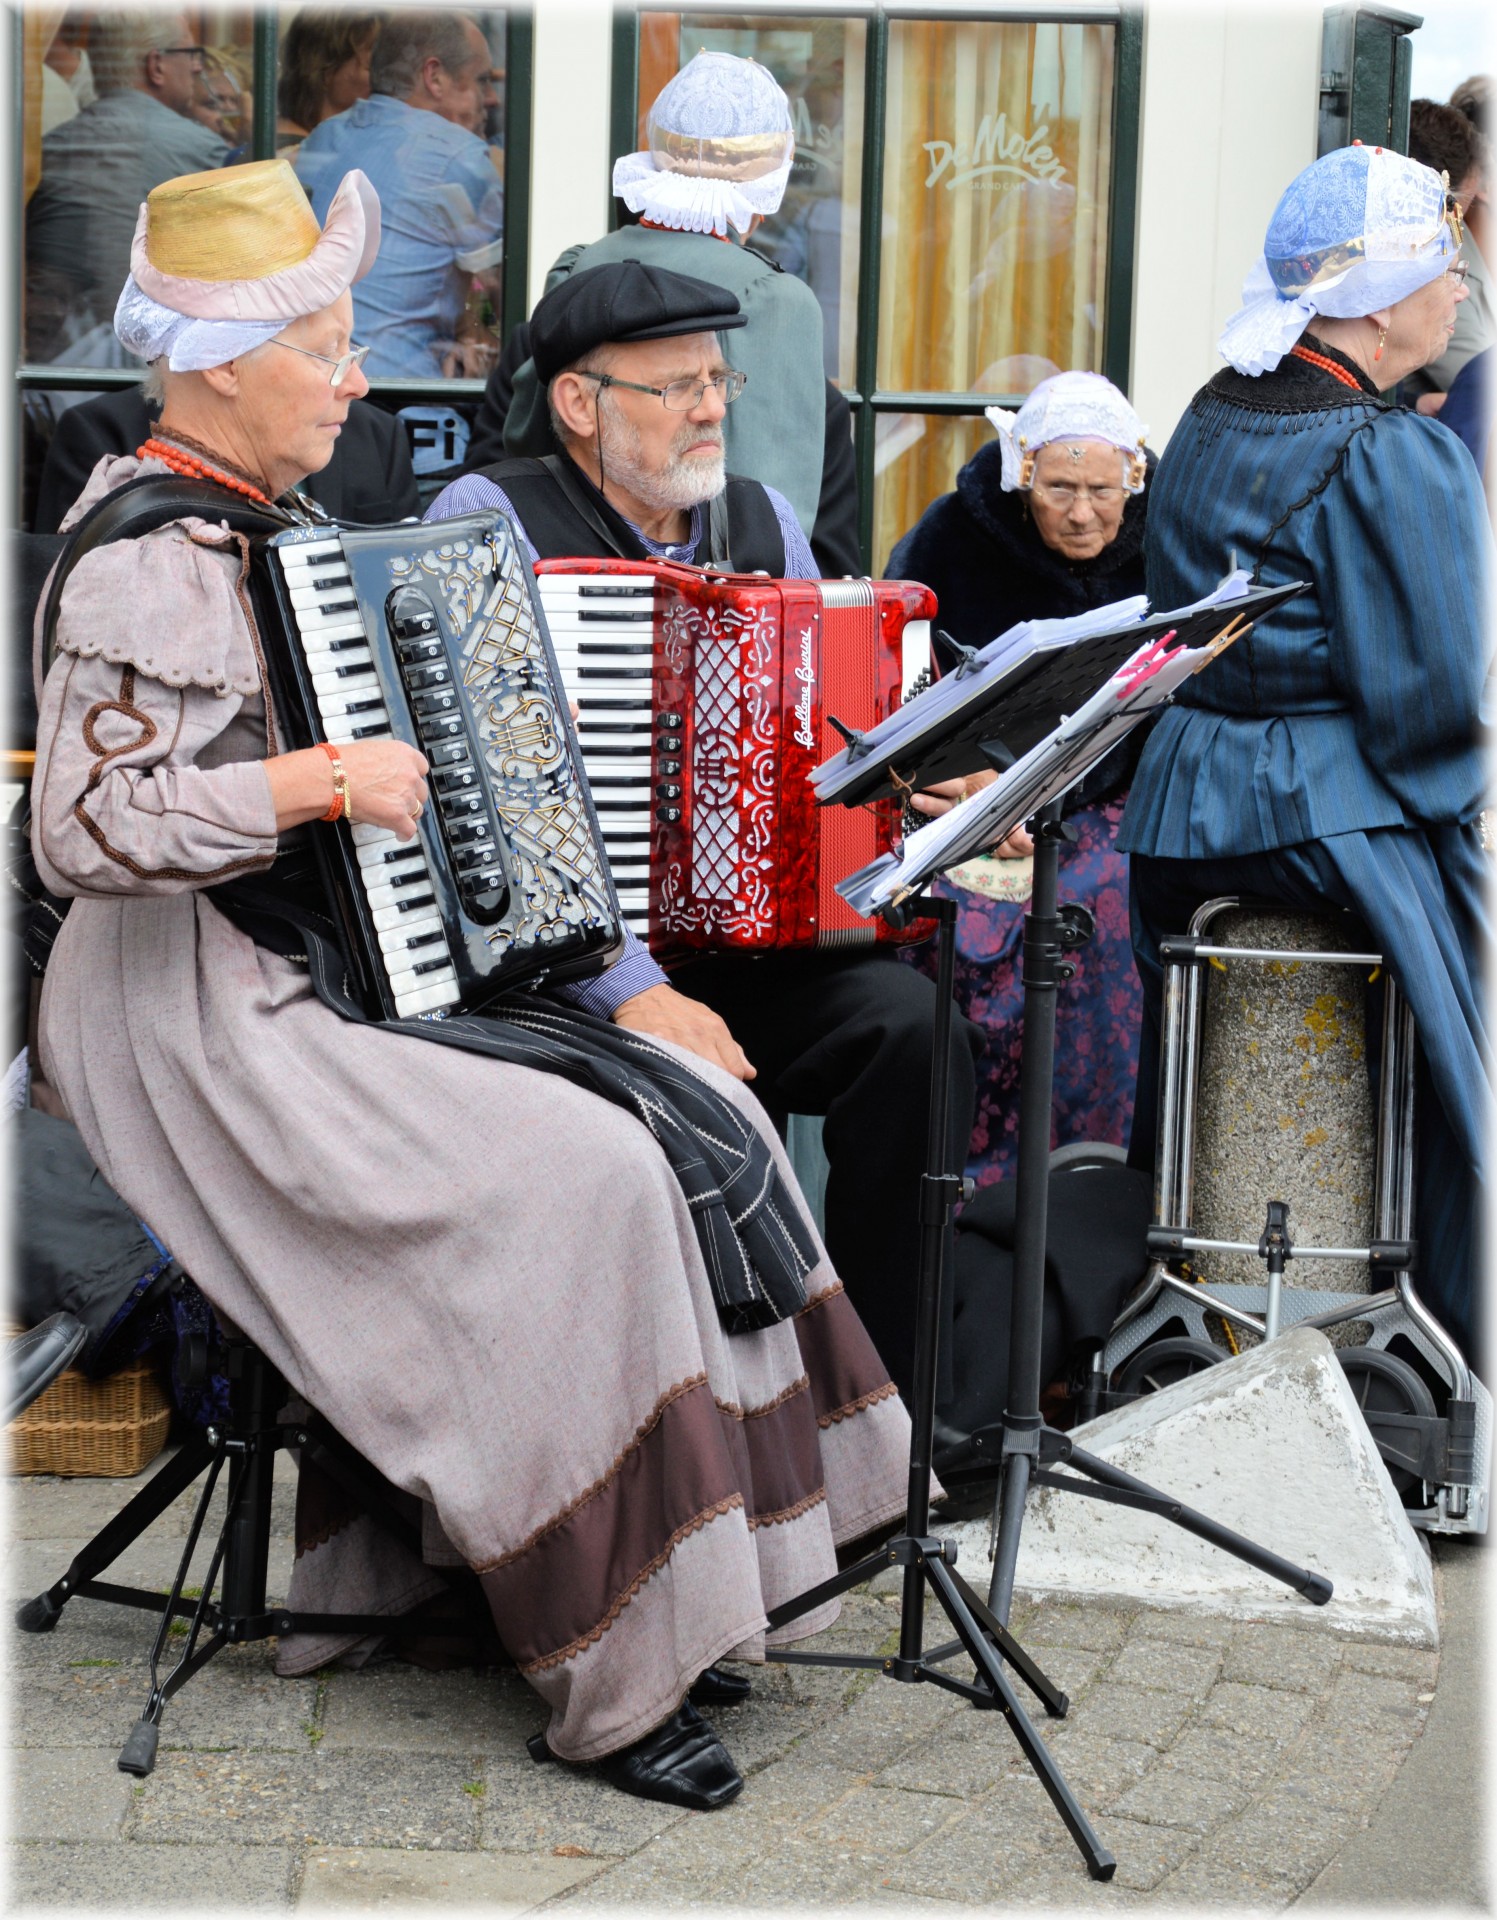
(427,306)
(116,101)
(997,169)
(323,62)
(819,63)
(916,459)
(96,166)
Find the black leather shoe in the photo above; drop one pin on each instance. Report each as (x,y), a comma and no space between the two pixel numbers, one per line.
(683,1763)
(718,1688)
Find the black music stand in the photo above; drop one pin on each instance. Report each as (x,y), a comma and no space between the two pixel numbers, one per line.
(1048,691)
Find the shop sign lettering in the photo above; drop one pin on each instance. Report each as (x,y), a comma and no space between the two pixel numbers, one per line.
(993,151)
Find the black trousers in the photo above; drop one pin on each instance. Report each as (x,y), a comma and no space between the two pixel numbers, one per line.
(848,1036)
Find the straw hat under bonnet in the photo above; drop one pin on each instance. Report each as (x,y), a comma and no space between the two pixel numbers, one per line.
(238,251)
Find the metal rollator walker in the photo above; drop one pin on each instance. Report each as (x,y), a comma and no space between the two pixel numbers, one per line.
(1428,1413)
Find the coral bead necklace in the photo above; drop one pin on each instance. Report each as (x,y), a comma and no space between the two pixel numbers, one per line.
(194,468)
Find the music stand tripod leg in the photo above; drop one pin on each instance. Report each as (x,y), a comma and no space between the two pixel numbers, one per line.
(1047,934)
(920,1554)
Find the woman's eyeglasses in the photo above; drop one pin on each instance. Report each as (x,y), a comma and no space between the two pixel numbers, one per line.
(342,367)
(1061,493)
(682,395)
(1459,273)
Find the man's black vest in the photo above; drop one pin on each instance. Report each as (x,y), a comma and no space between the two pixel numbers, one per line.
(566,518)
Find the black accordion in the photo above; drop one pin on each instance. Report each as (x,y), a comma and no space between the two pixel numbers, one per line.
(432,635)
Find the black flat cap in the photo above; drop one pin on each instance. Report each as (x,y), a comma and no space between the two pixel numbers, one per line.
(623,301)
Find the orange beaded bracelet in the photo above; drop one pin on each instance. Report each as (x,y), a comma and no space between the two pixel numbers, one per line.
(341,808)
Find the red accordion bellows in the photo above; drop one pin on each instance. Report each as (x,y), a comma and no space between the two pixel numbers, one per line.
(733,694)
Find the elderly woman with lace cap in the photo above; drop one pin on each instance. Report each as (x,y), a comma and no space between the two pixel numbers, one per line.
(1047,521)
(495,1266)
(1332,757)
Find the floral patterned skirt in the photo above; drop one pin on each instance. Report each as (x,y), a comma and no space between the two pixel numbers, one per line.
(1097,1012)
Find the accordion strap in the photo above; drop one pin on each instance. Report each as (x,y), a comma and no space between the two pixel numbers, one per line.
(139,507)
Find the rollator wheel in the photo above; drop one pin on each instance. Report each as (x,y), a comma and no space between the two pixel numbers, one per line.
(1164,1362)
(1382,1383)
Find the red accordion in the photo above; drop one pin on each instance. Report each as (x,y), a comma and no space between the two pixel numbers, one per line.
(705,700)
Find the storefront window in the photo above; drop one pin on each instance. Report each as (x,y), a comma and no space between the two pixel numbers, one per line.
(992,234)
(820,64)
(115,102)
(997,164)
(916,458)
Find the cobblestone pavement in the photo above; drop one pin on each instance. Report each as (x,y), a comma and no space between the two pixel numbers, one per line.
(1224,1763)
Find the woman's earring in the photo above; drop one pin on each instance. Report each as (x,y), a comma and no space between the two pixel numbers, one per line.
(1382,336)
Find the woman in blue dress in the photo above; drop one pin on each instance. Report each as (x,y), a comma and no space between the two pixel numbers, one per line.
(1333,756)
(1047,520)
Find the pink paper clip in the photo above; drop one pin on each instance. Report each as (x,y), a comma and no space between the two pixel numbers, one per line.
(1144,666)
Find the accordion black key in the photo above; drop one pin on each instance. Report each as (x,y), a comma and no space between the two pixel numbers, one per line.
(432,635)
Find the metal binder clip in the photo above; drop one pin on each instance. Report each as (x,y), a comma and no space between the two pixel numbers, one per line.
(966,656)
(857,743)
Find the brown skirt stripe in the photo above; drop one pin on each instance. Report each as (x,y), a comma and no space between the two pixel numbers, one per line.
(776,1453)
(573,1577)
(845,1372)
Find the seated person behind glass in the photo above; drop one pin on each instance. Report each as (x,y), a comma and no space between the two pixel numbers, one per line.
(97,168)
(418,139)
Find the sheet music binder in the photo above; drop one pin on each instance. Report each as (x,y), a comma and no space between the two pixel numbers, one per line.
(1138,684)
(1022,699)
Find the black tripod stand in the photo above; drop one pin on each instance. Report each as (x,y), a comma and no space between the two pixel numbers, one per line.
(929,1562)
(1027,1447)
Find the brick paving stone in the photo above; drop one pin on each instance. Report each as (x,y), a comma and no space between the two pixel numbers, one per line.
(881,1820)
(792,1789)
(684,1863)
(987,1847)
(965,1759)
(797,1872)
(1203,1883)
(1061,1623)
(1073,1669)
(1344,1766)
(134,1878)
(92,1701)
(336,1799)
(1268,1713)
(1187,1626)
(1068,1890)
(1171,1796)
(1265,1656)
(1374,1701)
(1014,1851)
(1397,1663)
(1166,1664)
(1216,1753)
(1096,1768)
(397,1706)
(77,1793)
(1144,1714)
(1144,1854)
(759,1732)
(881,1725)
(531,1809)
(363,1877)
(1283,1837)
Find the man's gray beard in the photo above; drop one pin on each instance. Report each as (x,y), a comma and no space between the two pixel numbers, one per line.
(680,484)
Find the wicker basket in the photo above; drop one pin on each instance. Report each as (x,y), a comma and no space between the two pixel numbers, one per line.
(95,1427)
